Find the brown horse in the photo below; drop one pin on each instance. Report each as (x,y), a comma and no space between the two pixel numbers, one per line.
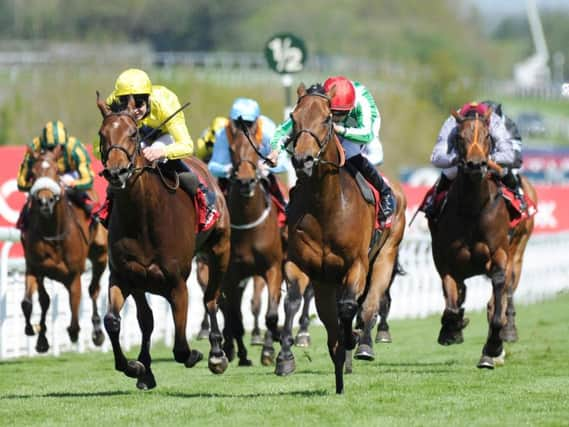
(472,237)
(330,232)
(256,242)
(56,245)
(152,240)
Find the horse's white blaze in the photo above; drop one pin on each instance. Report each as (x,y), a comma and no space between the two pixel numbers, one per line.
(45,164)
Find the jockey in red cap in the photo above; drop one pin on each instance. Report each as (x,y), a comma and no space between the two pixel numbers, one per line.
(506,151)
(356,122)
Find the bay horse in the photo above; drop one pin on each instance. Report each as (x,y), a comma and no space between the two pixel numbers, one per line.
(472,236)
(330,231)
(57,243)
(257,242)
(152,240)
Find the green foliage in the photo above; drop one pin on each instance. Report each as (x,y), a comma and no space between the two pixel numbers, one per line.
(413,382)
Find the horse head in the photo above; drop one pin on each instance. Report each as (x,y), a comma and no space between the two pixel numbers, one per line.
(473,142)
(243,147)
(120,144)
(46,190)
(312,129)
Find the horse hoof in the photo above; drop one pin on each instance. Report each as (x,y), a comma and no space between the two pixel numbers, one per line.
(29,331)
(285,367)
(42,346)
(218,364)
(365,352)
(267,357)
(257,339)
(147,382)
(203,334)
(135,369)
(486,362)
(383,337)
(245,362)
(302,340)
(501,359)
(73,334)
(194,357)
(446,338)
(98,337)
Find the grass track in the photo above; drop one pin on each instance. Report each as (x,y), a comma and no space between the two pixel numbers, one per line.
(414,381)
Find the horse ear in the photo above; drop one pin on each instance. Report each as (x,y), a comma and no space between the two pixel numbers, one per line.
(130,106)
(301,90)
(330,94)
(488,114)
(32,153)
(103,107)
(457,116)
(57,151)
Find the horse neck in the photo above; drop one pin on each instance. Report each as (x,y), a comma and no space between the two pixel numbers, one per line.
(474,192)
(56,223)
(325,187)
(245,209)
(136,202)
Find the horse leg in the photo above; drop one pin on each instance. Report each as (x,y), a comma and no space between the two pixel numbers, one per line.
(258,285)
(353,287)
(202,275)
(303,336)
(179,303)
(74,288)
(510,332)
(380,280)
(237,328)
(493,351)
(94,289)
(326,306)
(274,280)
(112,322)
(383,334)
(297,283)
(146,323)
(453,321)
(31,281)
(42,345)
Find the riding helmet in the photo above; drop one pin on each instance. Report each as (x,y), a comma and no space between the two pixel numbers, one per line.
(133,82)
(345,97)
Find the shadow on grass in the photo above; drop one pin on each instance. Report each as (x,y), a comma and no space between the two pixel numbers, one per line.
(296,393)
(57,395)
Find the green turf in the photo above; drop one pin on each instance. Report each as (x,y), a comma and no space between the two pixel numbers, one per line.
(414,381)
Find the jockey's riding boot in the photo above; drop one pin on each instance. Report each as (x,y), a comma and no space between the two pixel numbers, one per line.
(513,182)
(370,173)
(431,208)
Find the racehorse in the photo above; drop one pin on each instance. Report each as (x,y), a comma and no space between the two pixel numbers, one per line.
(152,240)
(330,231)
(256,241)
(56,244)
(472,236)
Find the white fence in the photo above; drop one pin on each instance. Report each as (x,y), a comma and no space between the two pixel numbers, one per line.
(416,294)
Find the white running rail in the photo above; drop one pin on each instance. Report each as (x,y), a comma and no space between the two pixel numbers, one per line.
(416,294)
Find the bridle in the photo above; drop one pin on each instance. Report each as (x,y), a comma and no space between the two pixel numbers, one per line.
(130,169)
(322,143)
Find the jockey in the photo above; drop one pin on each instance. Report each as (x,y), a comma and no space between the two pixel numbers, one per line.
(356,121)
(74,166)
(206,141)
(506,151)
(153,105)
(248,112)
